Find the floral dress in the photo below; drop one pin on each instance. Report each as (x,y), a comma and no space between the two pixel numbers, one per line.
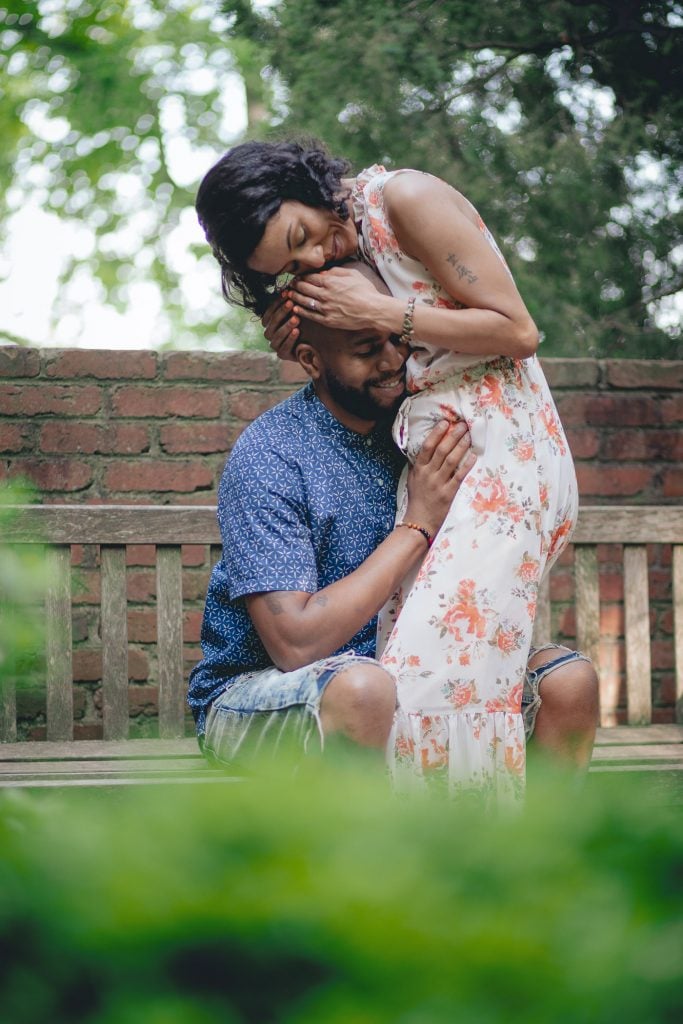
(457,633)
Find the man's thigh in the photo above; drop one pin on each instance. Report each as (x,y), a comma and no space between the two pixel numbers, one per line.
(264,713)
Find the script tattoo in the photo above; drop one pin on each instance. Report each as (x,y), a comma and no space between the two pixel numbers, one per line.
(460,268)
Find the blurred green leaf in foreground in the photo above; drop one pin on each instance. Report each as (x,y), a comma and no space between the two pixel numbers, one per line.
(324,899)
(23,579)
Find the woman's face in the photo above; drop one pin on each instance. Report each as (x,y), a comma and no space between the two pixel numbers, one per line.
(300,238)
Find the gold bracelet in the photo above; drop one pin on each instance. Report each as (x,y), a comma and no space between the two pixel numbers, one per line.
(420,529)
(408,327)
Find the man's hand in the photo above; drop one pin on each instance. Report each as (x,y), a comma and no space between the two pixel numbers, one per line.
(444,461)
(281,328)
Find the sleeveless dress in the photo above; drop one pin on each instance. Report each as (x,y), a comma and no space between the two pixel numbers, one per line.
(457,633)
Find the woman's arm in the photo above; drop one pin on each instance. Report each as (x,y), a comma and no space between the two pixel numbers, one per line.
(434,225)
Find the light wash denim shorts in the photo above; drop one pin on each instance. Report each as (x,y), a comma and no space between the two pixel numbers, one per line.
(262,712)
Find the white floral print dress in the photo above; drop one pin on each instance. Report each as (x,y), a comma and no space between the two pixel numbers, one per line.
(457,633)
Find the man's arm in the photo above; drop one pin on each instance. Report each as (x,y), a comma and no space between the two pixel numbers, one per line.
(297,628)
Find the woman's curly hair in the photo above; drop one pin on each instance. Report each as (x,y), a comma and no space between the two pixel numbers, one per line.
(247,186)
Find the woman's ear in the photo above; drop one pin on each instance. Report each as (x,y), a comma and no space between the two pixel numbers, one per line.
(308,359)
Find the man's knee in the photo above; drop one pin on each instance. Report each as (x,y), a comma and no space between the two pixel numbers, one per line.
(359,702)
(568,714)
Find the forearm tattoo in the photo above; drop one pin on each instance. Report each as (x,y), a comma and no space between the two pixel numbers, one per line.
(461,270)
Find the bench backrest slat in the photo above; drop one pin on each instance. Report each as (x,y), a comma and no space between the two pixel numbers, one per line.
(587,584)
(59,710)
(637,636)
(677,598)
(113,527)
(170,642)
(114,628)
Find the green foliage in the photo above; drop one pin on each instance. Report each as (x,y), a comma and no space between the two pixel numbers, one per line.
(561,122)
(94,98)
(23,579)
(326,900)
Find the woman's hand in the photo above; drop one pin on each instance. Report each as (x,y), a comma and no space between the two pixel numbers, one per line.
(340,298)
(281,328)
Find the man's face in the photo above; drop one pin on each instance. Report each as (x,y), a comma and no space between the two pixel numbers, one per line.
(362,376)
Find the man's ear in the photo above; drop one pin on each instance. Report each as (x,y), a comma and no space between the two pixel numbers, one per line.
(309,360)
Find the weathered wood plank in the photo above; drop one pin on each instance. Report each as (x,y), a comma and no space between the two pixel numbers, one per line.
(170,643)
(637,636)
(671,752)
(8,710)
(629,524)
(153,766)
(114,643)
(625,734)
(114,524)
(60,707)
(542,624)
(27,750)
(677,601)
(587,602)
(183,524)
(81,781)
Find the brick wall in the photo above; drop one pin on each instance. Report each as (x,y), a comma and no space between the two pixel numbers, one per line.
(141,427)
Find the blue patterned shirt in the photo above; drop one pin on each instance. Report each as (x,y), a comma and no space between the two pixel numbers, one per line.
(303,501)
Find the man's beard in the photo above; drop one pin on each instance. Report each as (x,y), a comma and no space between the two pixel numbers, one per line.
(359,401)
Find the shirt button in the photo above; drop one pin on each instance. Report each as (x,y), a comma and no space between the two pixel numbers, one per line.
(368,440)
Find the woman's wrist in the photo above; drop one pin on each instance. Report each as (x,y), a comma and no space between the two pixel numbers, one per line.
(388,314)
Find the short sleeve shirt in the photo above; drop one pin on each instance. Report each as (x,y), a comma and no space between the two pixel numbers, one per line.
(302,502)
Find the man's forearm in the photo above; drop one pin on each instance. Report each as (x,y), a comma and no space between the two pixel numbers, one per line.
(298,628)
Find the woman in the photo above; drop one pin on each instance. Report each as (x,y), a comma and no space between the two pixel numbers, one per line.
(457,636)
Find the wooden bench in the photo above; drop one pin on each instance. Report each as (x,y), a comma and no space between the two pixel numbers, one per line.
(60,760)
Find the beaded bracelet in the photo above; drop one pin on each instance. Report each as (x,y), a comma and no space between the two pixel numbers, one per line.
(420,529)
(408,327)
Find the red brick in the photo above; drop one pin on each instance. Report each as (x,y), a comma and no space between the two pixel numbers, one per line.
(291,373)
(250,404)
(143,700)
(36,399)
(672,409)
(141,554)
(610,410)
(16,361)
(141,587)
(614,480)
(142,627)
(198,437)
(145,554)
(251,366)
(183,475)
(124,438)
(644,373)
(662,654)
(192,626)
(62,475)
(102,364)
(571,373)
(583,444)
(87,587)
(195,585)
(672,483)
(166,401)
(14,437)
(88,731)
(660,445)
(87,666)
(79,625)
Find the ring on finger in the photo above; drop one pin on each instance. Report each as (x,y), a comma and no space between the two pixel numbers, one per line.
(312,304)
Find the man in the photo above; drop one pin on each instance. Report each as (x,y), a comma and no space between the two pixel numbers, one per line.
(311,553)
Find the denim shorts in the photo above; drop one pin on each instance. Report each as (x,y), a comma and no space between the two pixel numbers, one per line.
(261,713)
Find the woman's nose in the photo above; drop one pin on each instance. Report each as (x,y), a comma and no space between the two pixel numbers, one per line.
(313,258)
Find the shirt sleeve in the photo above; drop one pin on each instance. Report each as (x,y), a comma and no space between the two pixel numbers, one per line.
(262,514)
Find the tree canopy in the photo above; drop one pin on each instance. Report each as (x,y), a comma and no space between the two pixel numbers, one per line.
(560,121)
